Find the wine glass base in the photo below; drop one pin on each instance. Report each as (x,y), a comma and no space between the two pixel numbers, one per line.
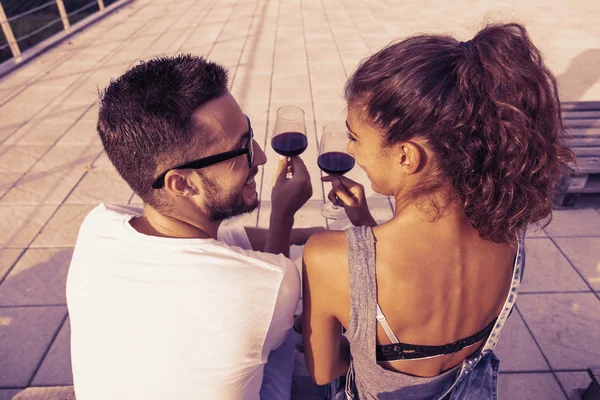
(329,211)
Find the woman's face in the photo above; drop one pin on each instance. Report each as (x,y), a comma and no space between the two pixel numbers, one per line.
(365,145)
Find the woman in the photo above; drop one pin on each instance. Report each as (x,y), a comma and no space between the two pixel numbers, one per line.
(466,138)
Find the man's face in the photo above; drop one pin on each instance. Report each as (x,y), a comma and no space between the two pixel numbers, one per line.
(228,188)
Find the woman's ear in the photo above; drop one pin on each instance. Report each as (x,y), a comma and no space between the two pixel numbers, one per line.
(411,157)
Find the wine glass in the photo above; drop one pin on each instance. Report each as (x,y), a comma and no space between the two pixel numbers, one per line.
(289,136)
(334,160)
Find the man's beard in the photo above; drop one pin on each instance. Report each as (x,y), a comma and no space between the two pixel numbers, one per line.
(220,206)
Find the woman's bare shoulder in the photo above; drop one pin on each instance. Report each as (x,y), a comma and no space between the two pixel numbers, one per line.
(326,256)
(325,245)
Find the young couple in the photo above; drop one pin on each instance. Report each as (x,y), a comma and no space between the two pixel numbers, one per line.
(166,303)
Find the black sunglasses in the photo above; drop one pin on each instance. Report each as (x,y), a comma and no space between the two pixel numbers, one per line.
(214,159)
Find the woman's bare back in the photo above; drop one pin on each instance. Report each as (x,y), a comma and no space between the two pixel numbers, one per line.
(438,283)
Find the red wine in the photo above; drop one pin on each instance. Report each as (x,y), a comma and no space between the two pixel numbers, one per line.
(335,162)
(289,144)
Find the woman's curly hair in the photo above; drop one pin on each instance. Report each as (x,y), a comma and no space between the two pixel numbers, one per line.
(488,108)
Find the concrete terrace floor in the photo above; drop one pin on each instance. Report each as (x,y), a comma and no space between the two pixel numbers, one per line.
(278,52)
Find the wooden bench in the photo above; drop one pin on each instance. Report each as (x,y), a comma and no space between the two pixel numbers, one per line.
(581,121)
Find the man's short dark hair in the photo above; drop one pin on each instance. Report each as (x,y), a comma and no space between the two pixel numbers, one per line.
(145,115)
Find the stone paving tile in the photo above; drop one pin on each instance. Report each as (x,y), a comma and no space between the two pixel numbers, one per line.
(547,270)
(7,260)
(25,334)
(82,132)
(572,381)
(7,129)
(353,29)
(529,386)
(22,223)
(565,326)
(43,133)
(8,394)
(535,231)
(103,163)
(308,216)
(517,350)
(6,182)
(56,367)
(63,228)
(19,158)
(47,393)
(584,253)
(269,174)
(51,187)
(101,186)
(38,278)
(12,117)
(574,223)
(67,156)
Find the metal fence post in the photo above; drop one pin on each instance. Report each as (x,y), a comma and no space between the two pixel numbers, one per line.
(63,14)
(101,5)
(8,34)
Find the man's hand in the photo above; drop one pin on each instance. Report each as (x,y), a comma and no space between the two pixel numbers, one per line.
(350,195)
(288,195)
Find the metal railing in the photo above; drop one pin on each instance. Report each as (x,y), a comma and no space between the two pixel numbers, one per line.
(64,17)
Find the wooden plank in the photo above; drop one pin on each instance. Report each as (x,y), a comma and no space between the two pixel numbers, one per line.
(581,123)
(581,115)
(580,105)
(573,142)
(592,185)
(583,132)
(588,165)
(586,151)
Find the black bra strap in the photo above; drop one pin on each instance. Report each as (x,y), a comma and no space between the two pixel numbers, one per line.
(403,351)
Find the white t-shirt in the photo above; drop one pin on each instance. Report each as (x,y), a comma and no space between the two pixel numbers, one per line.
(161,318)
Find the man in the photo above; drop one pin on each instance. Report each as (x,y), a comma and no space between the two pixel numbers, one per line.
(166,303)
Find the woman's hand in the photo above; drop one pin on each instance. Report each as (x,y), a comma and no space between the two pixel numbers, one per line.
(350,195)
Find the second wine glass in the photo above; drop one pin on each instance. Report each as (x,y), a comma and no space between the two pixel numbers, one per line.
(334,160)
(289,136)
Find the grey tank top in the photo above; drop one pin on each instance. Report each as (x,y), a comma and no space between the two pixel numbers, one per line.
(371,381)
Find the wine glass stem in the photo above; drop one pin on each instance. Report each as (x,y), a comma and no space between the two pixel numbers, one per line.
(290,173)
(334,205)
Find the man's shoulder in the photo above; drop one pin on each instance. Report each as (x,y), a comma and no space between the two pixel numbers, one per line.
(267,260)
(107,213)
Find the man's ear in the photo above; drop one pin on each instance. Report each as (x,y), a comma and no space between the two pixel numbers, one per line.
(179,183)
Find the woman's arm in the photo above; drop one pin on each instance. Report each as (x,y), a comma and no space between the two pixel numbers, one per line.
(326,351)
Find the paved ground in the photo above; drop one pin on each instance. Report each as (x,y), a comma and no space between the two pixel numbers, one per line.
(278,52)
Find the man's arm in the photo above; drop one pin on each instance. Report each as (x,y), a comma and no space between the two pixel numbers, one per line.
(287,196)
(298,236)
(278,235)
